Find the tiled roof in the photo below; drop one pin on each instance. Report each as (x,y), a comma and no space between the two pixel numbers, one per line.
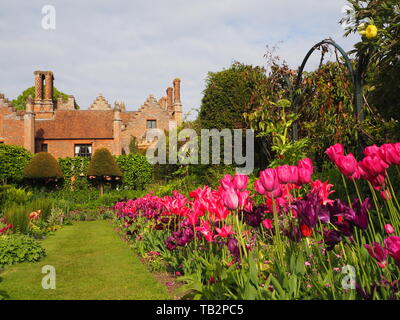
(76,124)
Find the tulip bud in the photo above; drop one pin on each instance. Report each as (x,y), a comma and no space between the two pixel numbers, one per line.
(389,228)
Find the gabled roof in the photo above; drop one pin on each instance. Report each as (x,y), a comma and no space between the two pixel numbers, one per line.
(76,124)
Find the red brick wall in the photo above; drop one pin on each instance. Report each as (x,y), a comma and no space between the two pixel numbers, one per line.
(65,148)
(11,127)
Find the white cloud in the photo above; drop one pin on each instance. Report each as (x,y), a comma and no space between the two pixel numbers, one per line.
(127,50)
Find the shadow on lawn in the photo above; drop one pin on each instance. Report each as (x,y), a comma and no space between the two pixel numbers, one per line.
(3,294)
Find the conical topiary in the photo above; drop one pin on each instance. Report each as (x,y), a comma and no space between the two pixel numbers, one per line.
(43,166)
(103,164)
(103,168)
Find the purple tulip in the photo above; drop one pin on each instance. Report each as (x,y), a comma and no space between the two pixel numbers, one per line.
(361,210)
(233,247)
(331,238)
(308,209)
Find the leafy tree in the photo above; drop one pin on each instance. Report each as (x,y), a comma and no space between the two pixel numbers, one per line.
(43,169)
(379,55)
(13,160)
(20,102)
(103,168)
(228,94)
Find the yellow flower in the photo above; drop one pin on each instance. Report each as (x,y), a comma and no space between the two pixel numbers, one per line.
(371,31)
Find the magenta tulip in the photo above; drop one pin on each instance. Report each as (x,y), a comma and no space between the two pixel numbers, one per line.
(259,187)
(371,150)
(240,181)
(294,174)
(284,174)
(389,154)
(334,151)
(389,228)
(378,253)
(304,176)
(269,179)
(347,164)
(267,223)
(227,182)
(373,165)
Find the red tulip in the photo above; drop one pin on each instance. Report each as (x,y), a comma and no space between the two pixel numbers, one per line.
(306,231)
(224,232)
(240,181)
(230,198)
(347,164)
(389,228)
(334,151)
(385,194)
(267,223)
(269,179)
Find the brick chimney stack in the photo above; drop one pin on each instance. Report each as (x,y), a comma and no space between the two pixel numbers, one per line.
(177,107)
(43,107)
(169,97)
(117,124)
(29,126)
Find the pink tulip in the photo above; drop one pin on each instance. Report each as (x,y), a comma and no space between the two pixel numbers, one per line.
(392,244)
(304,176)
(294,174)
(227,182)
(385,194)
(275,193)
(305,163)
(224,232)
(389,154)
(267,223)
(284,174)
(373,165)
(230,198)
(205,230)
(259,187)
(240,182)
(334,151)
(389,228)
(269,179)
(243,198)
(371,150)
(347,164)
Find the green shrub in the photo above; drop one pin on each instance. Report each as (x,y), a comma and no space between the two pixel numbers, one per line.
(103,168)
(18,216)
(13,160)
(19,248)
(103,164)
(136,171)
(43,166)
(10,195)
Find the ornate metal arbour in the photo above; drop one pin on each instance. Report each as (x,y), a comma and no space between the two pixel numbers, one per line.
(355,77)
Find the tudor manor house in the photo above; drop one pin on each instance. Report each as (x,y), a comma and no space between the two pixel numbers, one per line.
(57,127)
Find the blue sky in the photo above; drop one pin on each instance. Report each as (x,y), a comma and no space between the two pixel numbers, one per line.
(127,50)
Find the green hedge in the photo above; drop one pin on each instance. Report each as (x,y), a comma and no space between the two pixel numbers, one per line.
(13,160)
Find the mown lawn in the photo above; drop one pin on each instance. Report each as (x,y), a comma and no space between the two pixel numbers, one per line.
(91,262)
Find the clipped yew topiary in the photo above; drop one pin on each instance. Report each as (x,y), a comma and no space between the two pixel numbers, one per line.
(43,169)
(103,168)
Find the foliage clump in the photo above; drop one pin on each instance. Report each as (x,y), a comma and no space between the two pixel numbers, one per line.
(20,102)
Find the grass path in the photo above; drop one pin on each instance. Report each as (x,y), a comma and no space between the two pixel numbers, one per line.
(91,262)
